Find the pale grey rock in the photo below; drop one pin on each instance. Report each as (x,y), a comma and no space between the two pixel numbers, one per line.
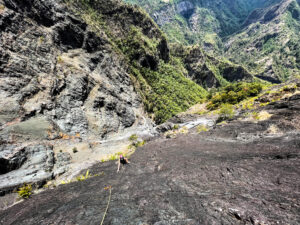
(19,165)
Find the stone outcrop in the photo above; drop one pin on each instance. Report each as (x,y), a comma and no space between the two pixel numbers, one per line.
(21,165)
(185,8)
(208,71)
(55,66)
(61,78)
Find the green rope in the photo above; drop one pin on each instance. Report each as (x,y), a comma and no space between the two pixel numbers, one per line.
(106,206)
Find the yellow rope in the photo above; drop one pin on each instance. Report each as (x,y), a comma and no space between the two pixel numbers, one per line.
(106,206)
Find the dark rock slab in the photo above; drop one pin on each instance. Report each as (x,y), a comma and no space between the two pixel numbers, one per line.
(192,179)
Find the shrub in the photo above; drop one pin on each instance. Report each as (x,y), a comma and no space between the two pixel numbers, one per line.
(25,191)
(289,88)
(226,112)
(59,59)
(255,115)
(234,93)
(140,143)
(133,137)
(175,127)
(113,157)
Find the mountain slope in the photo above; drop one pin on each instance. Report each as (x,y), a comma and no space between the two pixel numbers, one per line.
(261,36)
(195,21)
(269,44)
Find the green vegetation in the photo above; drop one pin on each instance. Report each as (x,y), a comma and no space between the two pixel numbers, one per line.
(140,143)
(134,145)
(255,115)
(289,88)
(276,50)
(175,127)
(226,112)
(59,59)
(202,128)
(212,19)
(84,177)
(75,150)
(235,93)
(165,91)
(133,137)
(161,82)
(25,191)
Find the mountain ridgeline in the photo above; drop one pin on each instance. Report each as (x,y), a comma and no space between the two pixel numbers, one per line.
(262,36)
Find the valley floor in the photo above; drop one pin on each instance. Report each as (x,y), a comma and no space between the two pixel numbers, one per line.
(233,174)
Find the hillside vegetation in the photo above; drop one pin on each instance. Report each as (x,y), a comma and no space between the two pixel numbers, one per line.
(195,21)
(269,46)
(262,36)
(159,78)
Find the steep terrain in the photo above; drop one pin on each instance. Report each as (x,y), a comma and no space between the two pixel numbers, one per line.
(66,78)
(261,36)
(269,44)
(243,172)
(83,81)
(194,21)
(208,71)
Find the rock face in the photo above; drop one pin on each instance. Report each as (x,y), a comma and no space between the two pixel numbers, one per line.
(60,78)
(32,164)
(54,65)
(234,174)
(208,71)
(185,8)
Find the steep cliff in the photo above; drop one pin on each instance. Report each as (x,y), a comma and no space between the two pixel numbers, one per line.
(208,71)
(81,71)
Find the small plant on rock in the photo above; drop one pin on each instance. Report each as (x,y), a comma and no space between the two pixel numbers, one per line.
(202,128)
(84,177)
(2,7)
(133,137)
(140,143)
(113,157)
(59,59)
(255,115)
(25,191)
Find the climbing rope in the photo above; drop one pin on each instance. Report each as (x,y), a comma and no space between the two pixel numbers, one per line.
(107,204)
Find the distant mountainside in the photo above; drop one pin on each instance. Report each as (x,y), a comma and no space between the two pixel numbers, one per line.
(205,21)
(262,36)
(269,45)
